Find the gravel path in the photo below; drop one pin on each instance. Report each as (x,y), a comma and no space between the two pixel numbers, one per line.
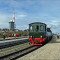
(50,51)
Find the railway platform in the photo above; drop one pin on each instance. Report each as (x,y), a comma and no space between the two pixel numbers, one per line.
(50,51)
(5,43)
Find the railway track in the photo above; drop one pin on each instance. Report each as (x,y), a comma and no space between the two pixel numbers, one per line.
(18,54)
(17,51)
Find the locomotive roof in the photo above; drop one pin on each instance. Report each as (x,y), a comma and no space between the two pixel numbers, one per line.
(37,23)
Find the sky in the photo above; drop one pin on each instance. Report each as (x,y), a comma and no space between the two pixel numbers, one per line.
(28,11)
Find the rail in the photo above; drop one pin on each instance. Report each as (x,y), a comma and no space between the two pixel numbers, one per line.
(19,53)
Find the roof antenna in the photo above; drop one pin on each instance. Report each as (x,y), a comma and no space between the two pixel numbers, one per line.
(14,18)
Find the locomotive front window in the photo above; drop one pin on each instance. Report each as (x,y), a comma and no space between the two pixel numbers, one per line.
(41,28)
(37,28)
(31,28)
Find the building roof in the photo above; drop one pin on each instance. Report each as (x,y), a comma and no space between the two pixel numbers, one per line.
(37,23)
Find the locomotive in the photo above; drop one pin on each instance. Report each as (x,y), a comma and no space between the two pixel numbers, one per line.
(39,34)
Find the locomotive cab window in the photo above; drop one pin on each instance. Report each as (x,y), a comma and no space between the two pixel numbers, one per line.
(37,28)
(30,28)
(48,29)
(41,28)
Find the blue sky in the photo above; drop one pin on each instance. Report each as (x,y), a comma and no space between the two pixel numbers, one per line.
(28,11)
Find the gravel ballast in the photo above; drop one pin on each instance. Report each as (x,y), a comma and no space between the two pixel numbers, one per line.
(13,49)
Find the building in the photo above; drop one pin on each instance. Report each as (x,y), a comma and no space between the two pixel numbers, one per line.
(12,25)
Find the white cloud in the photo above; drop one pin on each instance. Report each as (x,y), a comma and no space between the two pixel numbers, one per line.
(22,27)
(21,16)
(4,20)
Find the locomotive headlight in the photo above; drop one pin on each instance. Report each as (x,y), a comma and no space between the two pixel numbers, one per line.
(31,36)
(41,36)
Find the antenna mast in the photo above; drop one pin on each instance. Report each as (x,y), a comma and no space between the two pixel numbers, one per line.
(14,19)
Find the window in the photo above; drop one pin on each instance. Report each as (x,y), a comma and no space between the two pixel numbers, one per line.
(31,28)
(37,28)
(48,29)
(41,28)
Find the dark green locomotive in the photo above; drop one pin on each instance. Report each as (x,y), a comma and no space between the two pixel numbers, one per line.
(37,33)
